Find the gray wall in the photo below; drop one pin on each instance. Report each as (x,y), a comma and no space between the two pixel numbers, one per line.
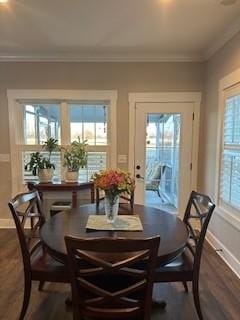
(225,61)
(132,77)
(124,77)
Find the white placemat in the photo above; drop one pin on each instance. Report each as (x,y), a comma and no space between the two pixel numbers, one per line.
(122,222)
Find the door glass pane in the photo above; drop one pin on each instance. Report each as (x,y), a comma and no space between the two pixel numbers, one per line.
(162,160)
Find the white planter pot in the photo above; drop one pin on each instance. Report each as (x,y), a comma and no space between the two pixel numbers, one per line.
(71,176)
(45,175)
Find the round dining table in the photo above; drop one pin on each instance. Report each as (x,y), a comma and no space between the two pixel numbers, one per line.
(173,232)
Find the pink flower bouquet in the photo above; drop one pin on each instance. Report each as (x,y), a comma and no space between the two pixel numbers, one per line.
(114,182)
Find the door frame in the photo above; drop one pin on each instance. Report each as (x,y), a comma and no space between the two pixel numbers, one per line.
(161,97)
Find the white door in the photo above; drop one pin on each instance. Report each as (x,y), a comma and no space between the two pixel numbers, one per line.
(163,154)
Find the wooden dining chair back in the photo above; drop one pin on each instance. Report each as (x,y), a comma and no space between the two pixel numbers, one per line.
(197,216)
(28,216)
(126,201)
(187,266)
(106,282)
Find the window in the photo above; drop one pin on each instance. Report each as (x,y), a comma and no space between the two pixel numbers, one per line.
(228,171)
(41,121)
(37,115)
(230,155)
(89,122)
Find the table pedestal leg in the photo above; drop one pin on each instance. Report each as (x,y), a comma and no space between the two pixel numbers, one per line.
(159,304)
(68,301)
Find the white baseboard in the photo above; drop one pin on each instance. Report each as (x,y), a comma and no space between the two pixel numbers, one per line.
(7,224)
(225,254)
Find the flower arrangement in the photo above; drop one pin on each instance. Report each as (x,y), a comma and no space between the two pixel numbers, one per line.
(114,182)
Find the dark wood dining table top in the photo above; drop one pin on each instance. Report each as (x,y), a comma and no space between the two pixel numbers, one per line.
(172,230)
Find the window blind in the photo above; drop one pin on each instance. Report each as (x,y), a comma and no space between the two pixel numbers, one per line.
(230,157)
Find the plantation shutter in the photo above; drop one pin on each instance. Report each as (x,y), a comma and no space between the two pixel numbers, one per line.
(230,156)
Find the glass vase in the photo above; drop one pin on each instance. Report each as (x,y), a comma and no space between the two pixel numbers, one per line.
(111,207)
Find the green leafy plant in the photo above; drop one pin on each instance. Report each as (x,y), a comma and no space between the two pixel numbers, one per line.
(38,161)
(50,145)
(75,156)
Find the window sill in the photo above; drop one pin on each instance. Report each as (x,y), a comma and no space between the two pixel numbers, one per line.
(229,217)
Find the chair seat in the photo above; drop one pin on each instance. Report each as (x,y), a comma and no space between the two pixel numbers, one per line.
(179,268)
(47,268)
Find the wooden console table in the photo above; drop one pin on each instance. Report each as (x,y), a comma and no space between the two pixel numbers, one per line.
(63,186)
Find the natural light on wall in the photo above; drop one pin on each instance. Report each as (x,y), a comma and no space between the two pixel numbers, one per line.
(165,1)
(3,1)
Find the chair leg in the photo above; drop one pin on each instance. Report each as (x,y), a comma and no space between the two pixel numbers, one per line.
(196,300)
(185,286)
(27,293)
(40,286)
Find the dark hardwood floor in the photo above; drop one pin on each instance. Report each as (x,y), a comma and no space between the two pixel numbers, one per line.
(219,291)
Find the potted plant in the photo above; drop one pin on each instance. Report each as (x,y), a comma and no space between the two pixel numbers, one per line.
(75,157)
(40,164)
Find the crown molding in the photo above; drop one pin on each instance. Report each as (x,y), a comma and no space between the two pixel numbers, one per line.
(227,35)
(101,57)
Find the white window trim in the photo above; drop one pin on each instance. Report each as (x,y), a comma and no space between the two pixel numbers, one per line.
(225,84)
(193,97)
(62,95)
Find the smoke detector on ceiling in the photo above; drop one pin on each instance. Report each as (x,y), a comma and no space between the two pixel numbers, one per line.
(227,2)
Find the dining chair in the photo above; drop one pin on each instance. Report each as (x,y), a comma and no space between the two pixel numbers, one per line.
(37,264)
(127,200)
(110,285)
(186,267)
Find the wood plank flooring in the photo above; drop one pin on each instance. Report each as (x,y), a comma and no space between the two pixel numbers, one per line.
(219,290)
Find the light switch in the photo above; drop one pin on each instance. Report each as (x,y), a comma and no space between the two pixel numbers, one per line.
(4,157)
(122,158)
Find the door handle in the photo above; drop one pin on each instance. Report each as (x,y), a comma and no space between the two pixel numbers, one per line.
(138,176)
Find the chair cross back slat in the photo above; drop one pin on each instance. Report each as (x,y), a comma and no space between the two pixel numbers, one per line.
(106,267)
(125,271)
(199,208)
(106,296)
(125,302)
(26,207)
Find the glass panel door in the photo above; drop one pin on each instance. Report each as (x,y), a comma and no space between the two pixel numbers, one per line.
(162,160)
(163,149)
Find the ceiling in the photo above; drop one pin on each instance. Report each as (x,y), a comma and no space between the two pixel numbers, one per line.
(115,30)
